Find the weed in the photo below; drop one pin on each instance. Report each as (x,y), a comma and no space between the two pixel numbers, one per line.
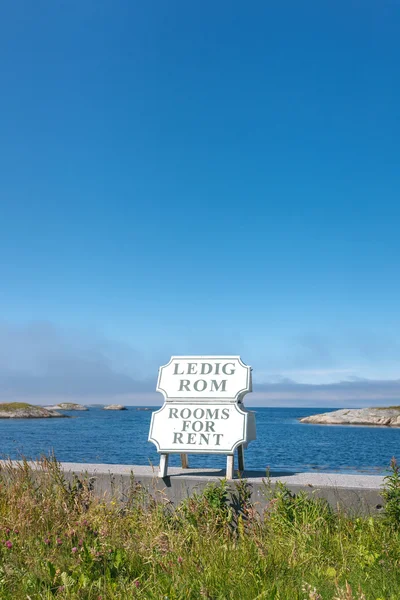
(391,495)
(59,541)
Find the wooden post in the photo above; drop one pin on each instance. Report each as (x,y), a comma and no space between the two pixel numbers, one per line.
(241,458)
(163,465)
(184,461)
(230,462)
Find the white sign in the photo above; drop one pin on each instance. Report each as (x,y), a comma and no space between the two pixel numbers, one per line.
(209,378)
(202,411)
(201,428)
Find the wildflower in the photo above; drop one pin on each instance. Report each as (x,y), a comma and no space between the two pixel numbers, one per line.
(9,544)
(180,560)
(80,543)
(46,541)
(16,531)
(58,541)
(312,592)
(137,583)
(74,549)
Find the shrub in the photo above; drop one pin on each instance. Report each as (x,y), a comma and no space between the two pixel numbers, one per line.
(391,495)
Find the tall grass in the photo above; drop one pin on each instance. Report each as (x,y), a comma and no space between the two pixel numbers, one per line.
(58,541)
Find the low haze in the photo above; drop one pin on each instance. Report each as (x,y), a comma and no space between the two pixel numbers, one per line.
(40,363)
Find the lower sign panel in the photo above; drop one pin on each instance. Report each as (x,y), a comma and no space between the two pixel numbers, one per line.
(201,428)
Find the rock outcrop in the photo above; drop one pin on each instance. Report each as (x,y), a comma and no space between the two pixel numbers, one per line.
(22,410)
(67,406)
(115,407)
(386,417)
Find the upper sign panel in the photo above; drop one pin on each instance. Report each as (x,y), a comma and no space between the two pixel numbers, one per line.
(204,377)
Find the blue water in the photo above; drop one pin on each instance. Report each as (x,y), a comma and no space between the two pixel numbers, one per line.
(283,444)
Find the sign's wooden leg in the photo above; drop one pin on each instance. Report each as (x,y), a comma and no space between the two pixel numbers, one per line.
(241,458)
(163,465)
(184,461)
(230,462)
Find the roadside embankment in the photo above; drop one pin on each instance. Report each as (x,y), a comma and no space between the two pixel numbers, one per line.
(352,493)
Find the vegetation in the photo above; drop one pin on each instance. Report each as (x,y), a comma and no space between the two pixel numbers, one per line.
(58,541)
(391,495)
(22,410)
(12,406)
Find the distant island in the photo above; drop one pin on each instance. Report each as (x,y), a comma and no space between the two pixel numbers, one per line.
(22,410)
(67,406)
(384,417)
(115,407)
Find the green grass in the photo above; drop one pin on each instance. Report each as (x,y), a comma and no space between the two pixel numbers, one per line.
(11,406)
(58,541)
(387,407)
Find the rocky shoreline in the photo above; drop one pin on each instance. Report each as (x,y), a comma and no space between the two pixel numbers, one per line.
(22,410)
(67,406)
(381,417)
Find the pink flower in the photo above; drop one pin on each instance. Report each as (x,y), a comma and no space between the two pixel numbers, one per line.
(46,541)
(80,543)
(137,583)
(9,544)
(180,560)
(74,549)
(58,541)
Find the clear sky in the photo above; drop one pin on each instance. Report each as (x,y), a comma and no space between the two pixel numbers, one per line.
(200,178)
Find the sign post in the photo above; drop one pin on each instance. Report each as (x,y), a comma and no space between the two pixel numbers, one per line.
(203,410)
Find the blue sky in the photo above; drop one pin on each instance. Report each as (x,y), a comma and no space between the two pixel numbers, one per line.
(200,178)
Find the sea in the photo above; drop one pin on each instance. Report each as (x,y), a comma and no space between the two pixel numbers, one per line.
(283,445)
